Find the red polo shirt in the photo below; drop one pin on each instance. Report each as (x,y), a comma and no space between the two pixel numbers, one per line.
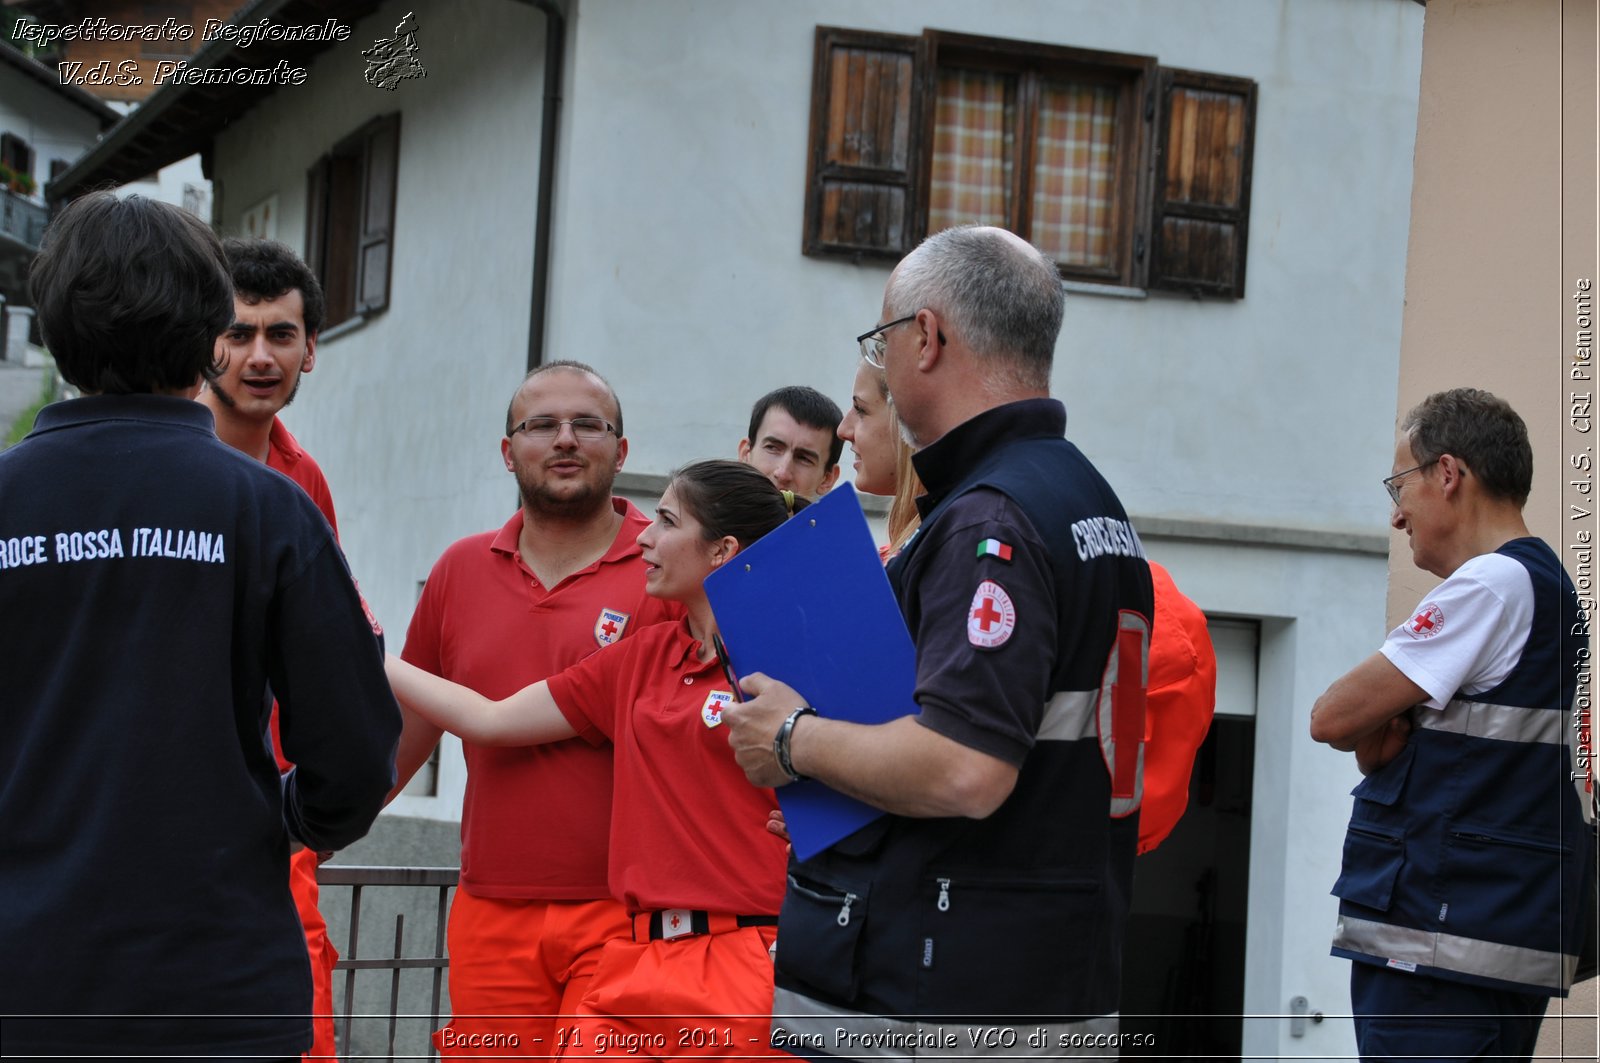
(687,829)
(286,455)
(535,819)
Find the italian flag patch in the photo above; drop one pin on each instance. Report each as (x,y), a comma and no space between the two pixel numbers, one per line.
(994,548)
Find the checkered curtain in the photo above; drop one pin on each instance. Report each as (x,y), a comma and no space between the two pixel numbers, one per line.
(972,149)
(1074,171)
(1073,189)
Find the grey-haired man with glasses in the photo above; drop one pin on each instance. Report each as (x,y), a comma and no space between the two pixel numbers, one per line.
(1468,857)
(1012,793)
(502,609)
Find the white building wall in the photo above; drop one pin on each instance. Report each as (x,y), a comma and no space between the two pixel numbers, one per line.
(676,270)
(54,127)
(1192,409)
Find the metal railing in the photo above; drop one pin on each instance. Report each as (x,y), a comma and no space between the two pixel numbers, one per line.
(22,219)
(351,960)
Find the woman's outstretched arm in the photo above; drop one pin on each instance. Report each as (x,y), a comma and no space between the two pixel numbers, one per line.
(527,718)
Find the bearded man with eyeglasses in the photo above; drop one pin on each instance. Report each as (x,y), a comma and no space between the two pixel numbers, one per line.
(500,610)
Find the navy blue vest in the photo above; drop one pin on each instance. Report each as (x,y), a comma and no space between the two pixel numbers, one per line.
(1467,854)
(1021,913)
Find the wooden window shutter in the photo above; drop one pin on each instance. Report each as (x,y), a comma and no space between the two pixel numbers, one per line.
(317,218)
(380,166)
(864,164)
(1205,132)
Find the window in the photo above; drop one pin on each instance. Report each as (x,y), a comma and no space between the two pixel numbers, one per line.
(350,195)
(1125,172)
(16,155)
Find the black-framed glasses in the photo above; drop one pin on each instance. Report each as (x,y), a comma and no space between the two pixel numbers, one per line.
(1392,483)
(587,429)
(874,344)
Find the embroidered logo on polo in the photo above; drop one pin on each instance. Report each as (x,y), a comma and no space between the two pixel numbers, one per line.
(610,626)
(716,701)
(995,548)
(992,617)
(1428,622)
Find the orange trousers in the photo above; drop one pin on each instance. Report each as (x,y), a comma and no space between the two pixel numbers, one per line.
(709,995)
(303,886)
(517,967)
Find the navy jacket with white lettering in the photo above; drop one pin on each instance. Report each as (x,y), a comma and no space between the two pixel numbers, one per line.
(1021,913)
(1467,854)
(144,853)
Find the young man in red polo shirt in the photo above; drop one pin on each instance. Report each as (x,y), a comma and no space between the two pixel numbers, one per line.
(503,609)
(277,310)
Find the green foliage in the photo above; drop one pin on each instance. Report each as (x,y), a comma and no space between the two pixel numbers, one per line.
(16,180)
(24,422)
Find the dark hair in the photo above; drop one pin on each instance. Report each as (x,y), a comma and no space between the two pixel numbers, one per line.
(1480,429)
(267,269)
(1001,295)
(809,407)
(131,294)
(732,498)
(576,367)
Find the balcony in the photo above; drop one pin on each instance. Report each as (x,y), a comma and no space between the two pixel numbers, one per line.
(22,220)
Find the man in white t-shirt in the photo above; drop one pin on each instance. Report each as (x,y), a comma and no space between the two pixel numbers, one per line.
(1467,847)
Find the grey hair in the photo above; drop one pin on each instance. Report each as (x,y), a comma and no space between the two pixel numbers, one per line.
(1480,429)
(1002,297)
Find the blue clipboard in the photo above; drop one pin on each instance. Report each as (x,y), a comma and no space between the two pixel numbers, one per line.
(810,605)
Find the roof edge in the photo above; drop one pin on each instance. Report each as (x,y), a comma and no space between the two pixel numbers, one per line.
(81,172)
(103,112)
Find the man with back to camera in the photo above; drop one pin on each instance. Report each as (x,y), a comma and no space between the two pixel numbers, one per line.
(792,440)
(272,340)
(1012,826)
(1467,849)
(163,587)
(500,610)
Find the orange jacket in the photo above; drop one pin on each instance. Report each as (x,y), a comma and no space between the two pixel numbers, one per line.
(1182,695)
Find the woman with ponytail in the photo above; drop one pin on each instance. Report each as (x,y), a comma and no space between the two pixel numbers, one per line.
(691,855)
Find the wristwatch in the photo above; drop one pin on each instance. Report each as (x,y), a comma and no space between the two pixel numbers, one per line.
(780,742)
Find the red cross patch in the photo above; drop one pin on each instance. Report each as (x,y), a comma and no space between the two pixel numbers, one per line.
(991,618)
(1428,622)
(716,701)
(610,626)
(676,922)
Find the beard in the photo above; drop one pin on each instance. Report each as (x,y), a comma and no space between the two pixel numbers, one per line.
(571,501)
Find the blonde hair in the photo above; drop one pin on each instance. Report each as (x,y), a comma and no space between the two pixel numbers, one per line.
(903,516)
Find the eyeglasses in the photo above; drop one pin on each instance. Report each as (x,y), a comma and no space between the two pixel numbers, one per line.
(1392,483)
(587,429)
(874,344)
